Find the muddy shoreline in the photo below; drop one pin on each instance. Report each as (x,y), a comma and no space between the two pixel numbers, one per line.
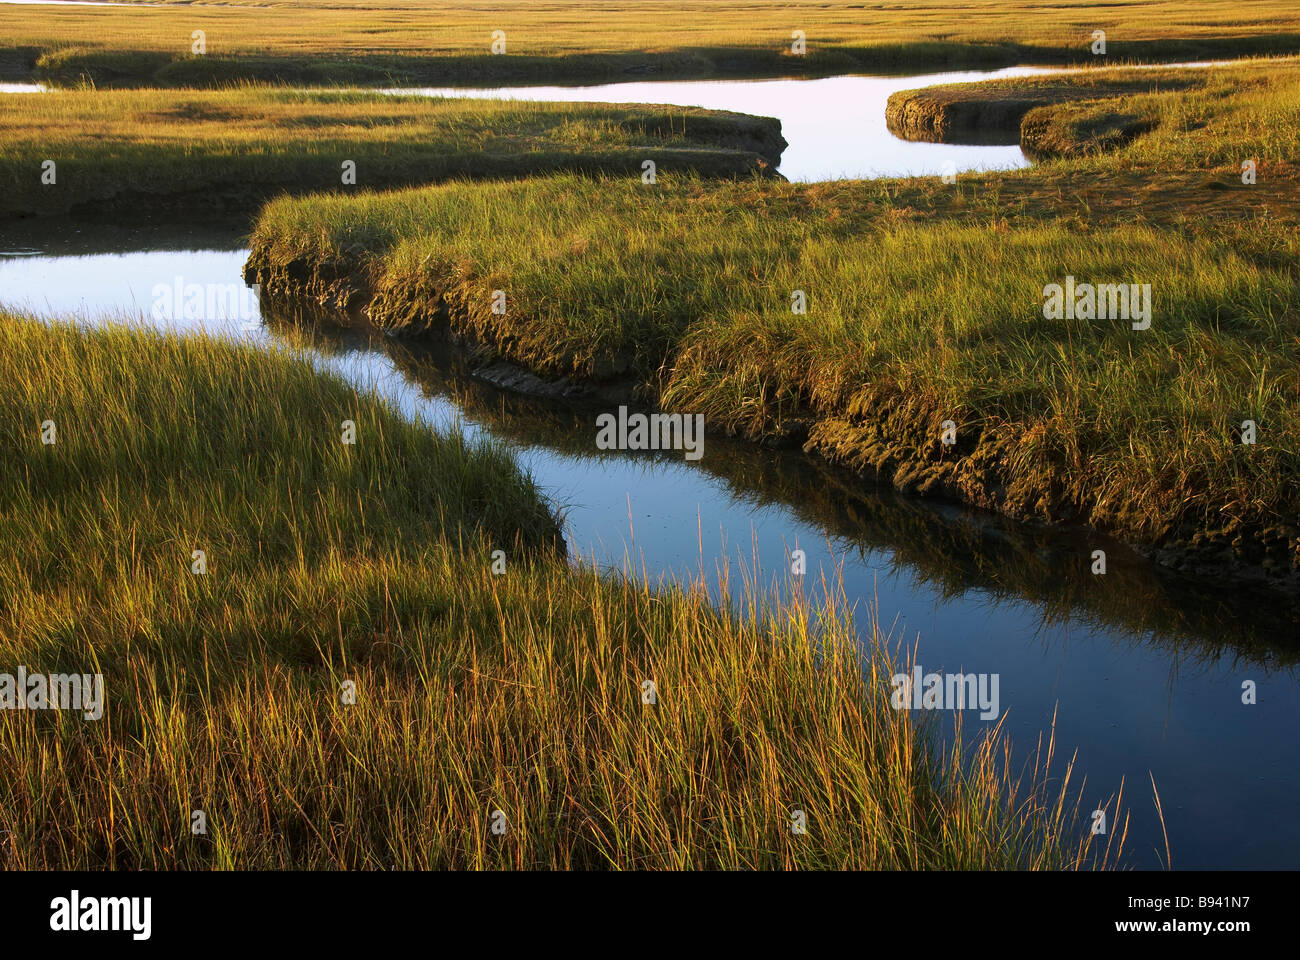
(1015,112)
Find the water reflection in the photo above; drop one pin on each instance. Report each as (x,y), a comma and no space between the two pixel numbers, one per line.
(835,125)
(1143,670)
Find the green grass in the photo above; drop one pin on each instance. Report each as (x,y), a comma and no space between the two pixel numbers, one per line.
(475,692)
(926,305)
(230,149)
(442,43)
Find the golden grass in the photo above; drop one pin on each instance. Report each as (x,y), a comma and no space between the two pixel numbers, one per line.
(475,692)
(927,306)
(445,42)
(232,148)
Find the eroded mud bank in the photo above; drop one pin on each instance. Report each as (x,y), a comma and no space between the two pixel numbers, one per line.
(1024,111)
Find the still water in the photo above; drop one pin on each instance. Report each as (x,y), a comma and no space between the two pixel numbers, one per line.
(1142,670)
(835,125)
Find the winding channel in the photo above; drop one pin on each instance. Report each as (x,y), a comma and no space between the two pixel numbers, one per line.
(1141,670)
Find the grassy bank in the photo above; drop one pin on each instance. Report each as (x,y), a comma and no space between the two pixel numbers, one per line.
(444,43)
(925,305)
(955,112)
(474,692)
(231,149)
(1182,617)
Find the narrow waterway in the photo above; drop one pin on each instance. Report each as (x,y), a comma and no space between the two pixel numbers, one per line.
(1142,670)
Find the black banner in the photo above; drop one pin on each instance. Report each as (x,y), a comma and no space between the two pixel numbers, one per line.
(331,910)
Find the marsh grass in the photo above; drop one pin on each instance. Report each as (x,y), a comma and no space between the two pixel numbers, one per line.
(929,547)
(917,315)
(474,692)
(230,149)
(320,41)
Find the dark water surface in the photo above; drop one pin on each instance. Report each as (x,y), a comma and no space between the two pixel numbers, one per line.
(1143,671)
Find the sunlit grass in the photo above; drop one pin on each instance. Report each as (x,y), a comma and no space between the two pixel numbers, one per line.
(926,305)
(474,692)
(421,41)
(229,149)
